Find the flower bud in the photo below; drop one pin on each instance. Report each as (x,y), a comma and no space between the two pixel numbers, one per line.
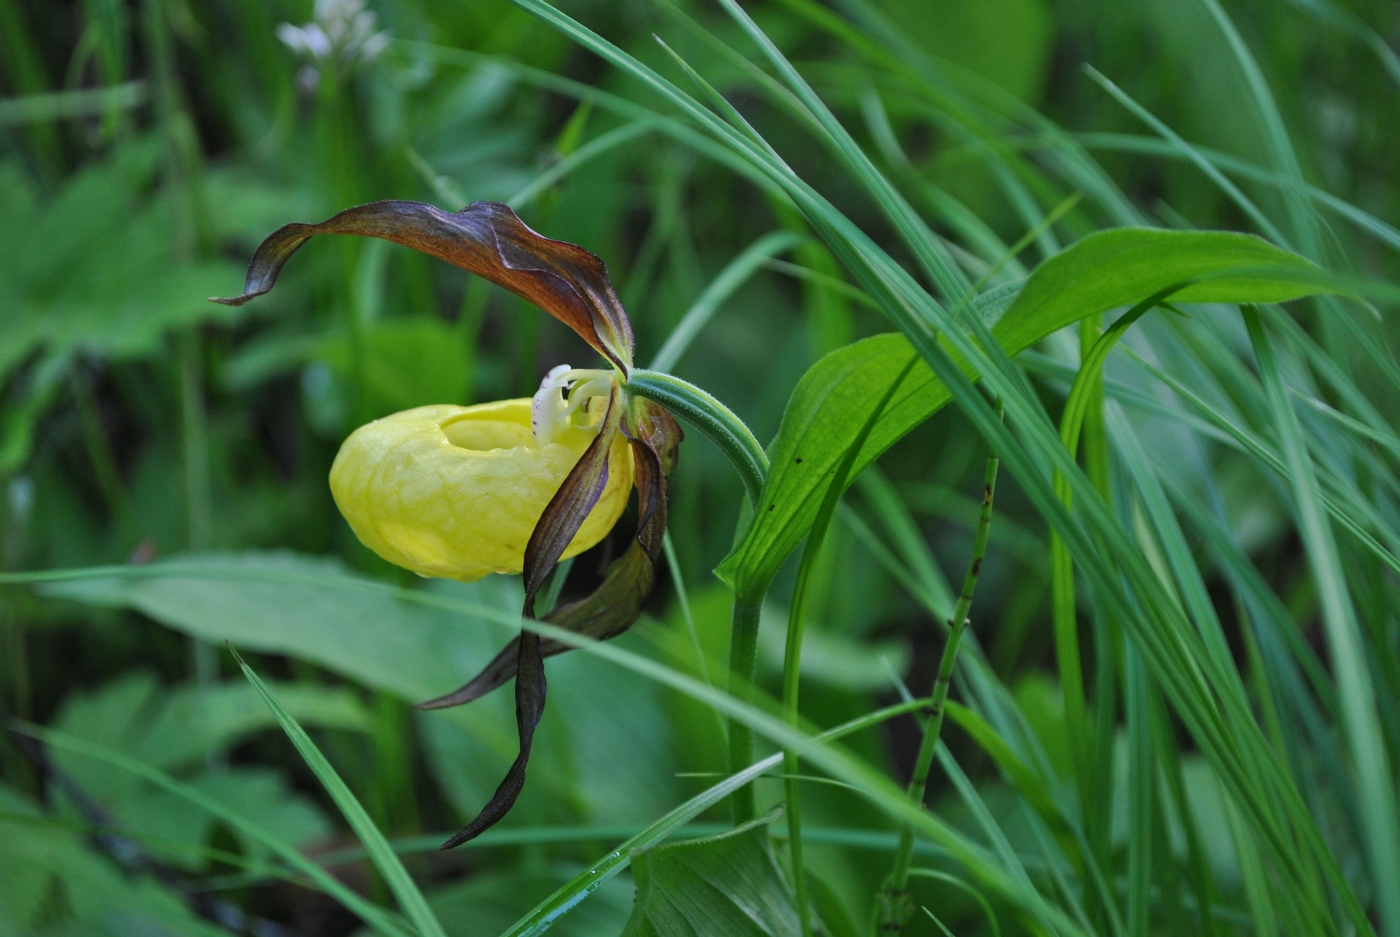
(455,492)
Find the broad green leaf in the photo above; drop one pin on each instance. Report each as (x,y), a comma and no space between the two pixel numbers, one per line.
(418,644)
(728,884)
(94,268)
(1104,271)
(381,921)
(177,831)
(54,882)
(313,609)
(175,731)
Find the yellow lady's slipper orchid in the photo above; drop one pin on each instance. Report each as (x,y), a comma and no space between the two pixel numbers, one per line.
(513,486)
(455,492)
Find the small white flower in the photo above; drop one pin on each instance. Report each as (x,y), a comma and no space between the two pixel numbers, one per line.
(342,30)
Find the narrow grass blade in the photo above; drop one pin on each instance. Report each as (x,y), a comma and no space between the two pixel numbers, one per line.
(591,879)
(410,899)
(1375,784)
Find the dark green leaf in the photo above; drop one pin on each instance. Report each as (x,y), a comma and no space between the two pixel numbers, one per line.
(728,884)
(1103,271)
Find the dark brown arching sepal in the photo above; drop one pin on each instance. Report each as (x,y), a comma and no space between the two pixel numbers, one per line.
(486,238)
(555,529)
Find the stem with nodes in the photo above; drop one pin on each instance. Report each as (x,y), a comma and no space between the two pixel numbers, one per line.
(895,904)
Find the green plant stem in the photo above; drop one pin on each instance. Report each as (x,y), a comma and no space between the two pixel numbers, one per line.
(797,622)
(743,658)
(182,175)
(918,784)
(101,457)
(735,440)
(713,419)
(1084,404)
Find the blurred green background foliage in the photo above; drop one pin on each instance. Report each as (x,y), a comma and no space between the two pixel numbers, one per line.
(147,146)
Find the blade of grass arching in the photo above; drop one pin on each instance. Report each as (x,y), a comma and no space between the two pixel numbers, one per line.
(683,599)
(957,216)
(903,531)
(381,920)
(1332,375)
(783,99)
(824,280)
(1244,202)
(1003,722)
(1132,143)
(892,564)
(992,829)
(1181,572)
(675,129)
(385,860)
(1178,570)
(928,248)
(1365,740)
(872,784)
(1299,206)
(1084,404)
(543,916)
(720,103)
(1255,879)
(965,888)
(1271,619)
(958,93)
(1256,448)
(1352,25)
(1199,874)
(725,283)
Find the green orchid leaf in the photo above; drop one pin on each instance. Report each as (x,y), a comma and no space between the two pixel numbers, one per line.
(728,884)
(486,238)
(1103,271)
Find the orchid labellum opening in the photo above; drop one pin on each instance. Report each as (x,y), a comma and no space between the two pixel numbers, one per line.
(516,485)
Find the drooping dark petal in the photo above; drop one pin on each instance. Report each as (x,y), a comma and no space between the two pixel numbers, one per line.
(571,504)
(614,606)
(552,534)
(530,688)
(486,238)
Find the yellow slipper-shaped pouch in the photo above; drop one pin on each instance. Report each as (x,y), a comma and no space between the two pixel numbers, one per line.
(455,492)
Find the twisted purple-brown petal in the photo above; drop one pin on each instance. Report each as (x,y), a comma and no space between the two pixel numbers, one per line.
(486,238)
(552,534)
(615,605)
